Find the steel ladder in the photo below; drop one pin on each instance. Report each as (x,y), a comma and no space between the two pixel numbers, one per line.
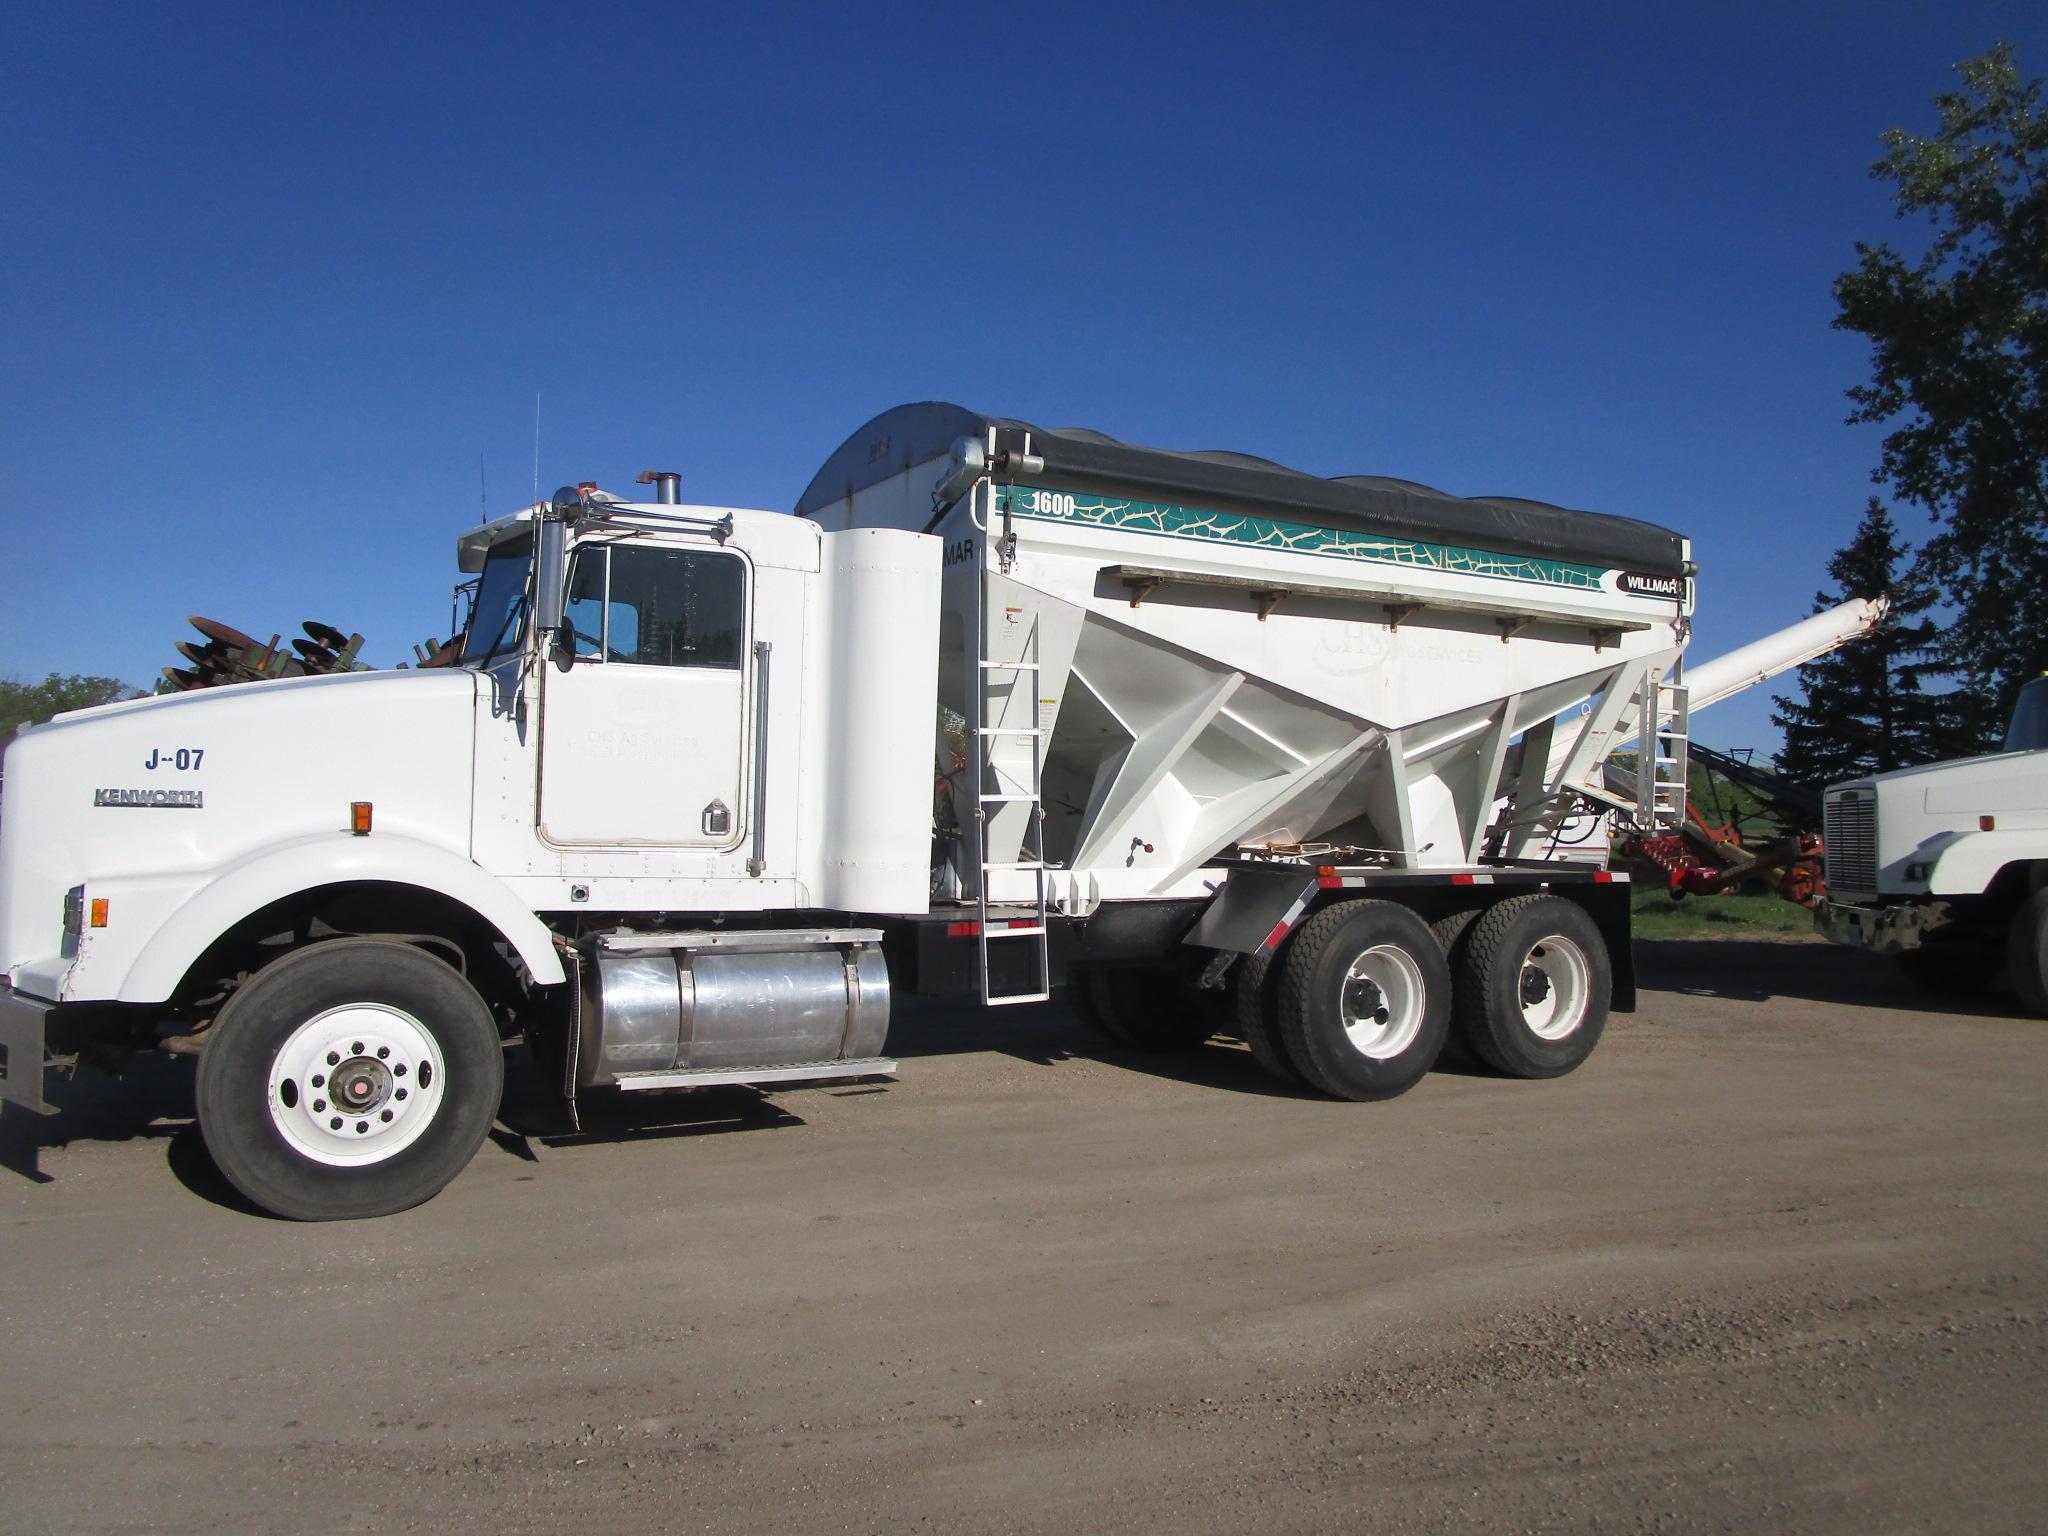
(994,787)
(1663,755)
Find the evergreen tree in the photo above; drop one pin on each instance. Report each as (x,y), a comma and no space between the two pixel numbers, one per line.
(1959,341)
(1865,709)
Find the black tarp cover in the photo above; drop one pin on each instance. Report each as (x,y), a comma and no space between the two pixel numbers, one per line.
(1076,458)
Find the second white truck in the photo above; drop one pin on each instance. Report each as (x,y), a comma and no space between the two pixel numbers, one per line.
(1945,867)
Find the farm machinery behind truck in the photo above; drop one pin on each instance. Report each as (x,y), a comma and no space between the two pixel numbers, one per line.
(1945,867)
(1216,741)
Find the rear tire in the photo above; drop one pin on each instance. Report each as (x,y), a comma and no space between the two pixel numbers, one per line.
(352,1078)
(1150,1008)
(1081,998)
(1257,989)
(2026,952)
(1534,986)
(1365,1000)
(1450,933)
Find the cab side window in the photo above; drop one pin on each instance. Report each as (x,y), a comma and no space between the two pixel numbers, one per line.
(659,607)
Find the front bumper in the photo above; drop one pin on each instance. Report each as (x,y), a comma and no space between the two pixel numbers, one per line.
(22,1021)
(1881,930)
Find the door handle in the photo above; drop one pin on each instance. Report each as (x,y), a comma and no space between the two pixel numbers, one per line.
(717,819)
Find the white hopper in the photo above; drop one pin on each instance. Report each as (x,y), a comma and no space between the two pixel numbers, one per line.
(1221,653)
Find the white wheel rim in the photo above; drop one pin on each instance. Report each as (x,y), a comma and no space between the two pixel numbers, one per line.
(1552,985)
(356,1085)
(1382,1000)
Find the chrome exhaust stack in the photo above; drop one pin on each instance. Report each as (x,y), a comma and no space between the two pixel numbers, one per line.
(668,485)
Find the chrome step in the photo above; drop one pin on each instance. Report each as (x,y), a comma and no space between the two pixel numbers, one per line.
(798,1072)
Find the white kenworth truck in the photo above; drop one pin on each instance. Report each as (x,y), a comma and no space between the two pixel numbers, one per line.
(1945,867)
(1210,743)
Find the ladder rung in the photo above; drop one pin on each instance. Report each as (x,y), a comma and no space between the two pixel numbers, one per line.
(1009,666)
(1019,864)
(1013,933)
(1021,997)
(1009,799)
(1009,730)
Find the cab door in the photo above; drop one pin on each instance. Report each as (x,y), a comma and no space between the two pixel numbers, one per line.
(643,734)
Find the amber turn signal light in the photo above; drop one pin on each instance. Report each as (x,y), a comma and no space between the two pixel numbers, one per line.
(359,818)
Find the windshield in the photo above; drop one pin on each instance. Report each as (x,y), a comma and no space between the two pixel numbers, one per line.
(2029,732)
(498,621)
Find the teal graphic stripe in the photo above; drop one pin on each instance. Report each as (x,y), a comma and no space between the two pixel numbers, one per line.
(1175,522)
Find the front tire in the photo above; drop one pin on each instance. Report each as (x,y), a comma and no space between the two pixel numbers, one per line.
(1364,1001)
(352,1078)
(2026,952)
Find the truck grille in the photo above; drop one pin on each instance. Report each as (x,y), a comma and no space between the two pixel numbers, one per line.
(1851,828)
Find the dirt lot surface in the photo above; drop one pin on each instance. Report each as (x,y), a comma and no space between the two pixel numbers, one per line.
(1772,1260)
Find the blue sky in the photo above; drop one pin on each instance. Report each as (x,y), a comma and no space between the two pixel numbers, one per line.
(278,279)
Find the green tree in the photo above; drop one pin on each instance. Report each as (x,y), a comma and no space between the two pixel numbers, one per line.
(32,703)
(1959,338)
(1864,709)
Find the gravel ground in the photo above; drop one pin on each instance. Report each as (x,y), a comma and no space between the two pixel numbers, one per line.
(1772,1260)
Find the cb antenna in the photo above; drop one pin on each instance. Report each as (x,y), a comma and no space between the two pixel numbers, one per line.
(536,446)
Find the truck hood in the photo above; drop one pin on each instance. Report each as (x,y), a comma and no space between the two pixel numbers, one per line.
(181,783)
(1969,786)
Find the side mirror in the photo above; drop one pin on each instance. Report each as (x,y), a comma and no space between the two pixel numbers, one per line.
(550,589)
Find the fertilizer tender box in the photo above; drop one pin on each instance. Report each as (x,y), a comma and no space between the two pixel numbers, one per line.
(1208,743)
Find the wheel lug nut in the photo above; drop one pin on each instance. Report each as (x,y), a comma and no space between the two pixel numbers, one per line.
(333,1060)
(334,1124)
(399,1070)
(319,1106)
(356,1049)
(387,1115)
(362,1126)
(383,1051)
(319,1081)
(400,1094)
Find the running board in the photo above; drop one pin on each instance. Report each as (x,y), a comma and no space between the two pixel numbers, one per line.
(719,1077)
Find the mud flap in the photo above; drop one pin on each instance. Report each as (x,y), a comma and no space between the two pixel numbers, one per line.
(21,1051)
(1255,909)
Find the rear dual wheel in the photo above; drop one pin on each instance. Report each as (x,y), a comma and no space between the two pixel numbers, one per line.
(1364,1000)
(1255,990)
(1534,986)
(1147,1008)
(1351,1006)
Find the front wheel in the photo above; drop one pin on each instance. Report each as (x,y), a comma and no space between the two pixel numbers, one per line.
(352,1078)
(2026,952)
